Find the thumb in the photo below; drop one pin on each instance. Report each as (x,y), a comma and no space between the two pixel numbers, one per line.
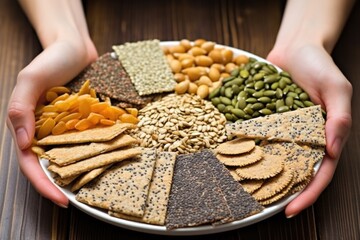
(21,113)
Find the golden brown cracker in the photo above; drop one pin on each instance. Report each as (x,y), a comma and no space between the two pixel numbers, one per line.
(278,196)
(242,159)
(267,167)
(251,185)
(236,146)
(98,134)
(66,155)
(94,162)
(234,174)
(63,182)
(87,177)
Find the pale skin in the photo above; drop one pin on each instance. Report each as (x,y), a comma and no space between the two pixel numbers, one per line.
(308,34)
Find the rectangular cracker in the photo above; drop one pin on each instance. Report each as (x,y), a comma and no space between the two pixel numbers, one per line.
(123,188)
(87,177)
(157,201)
(94,162)
(98,134)
(66,155)
(63,182)
(304,125)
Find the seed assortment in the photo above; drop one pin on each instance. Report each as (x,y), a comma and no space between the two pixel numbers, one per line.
(181,123)
(258,89)
(203,136)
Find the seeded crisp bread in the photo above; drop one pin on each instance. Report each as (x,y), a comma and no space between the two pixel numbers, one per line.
(146,65)
(98,134)
(157,201)
(195,197)
(304,125)
(241,159)
(236,146)
(94,162)
(87,177)
(109,78)
(66,155)
(123,188)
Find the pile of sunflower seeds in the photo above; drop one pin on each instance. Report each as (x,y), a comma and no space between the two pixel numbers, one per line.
(181,123)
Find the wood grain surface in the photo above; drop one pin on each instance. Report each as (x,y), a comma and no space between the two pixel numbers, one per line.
(248,25)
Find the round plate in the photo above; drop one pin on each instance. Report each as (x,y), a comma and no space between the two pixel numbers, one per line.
(154,229)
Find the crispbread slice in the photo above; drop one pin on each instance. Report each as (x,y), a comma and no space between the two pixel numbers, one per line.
(268,166)
(304,125)
(94,162)
(241,159)
(124,187)
(157,201)
(87,177)
(65,155)
(98,134)
(63,182)
(236,146)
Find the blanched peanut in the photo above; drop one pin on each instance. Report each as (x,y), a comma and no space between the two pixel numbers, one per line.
(194,73)
(182,56)
(204,61)
(204,80)
(218,66)
(179,77)
(241,59)
(186,44)
(216,55)
(199,42)
(196,51)
(177,49)
(203,91)
(182,87)
(192,88)
(214,74)
(229,67)
(208,46)
(227,55)
(187,62)
(175,66)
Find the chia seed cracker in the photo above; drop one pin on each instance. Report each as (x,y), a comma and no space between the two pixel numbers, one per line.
(147,67)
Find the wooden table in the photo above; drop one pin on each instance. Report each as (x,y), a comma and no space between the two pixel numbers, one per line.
(248,25)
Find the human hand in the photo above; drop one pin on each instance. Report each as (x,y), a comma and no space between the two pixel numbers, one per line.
(56,65)
(313,69)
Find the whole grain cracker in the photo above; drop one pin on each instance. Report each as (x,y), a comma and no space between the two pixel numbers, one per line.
(98,134)
(278,196)
(242,159)
(63,182)
(146,65)
(304,125)
(69,154)
(234,174)
(122,188)
(236,146)
(94,162)
(157,201)
(276,184)
(268,166)
(87,177)
(251,185)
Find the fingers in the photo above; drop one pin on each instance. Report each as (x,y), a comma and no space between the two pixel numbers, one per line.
(313,190)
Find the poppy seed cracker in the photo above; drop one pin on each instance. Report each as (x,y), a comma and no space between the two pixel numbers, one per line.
(122,188)
(236,146)
(157,201)
(304,125)
(87,177)
(94,162)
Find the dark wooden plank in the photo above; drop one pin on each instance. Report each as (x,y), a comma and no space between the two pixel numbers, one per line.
(338,210)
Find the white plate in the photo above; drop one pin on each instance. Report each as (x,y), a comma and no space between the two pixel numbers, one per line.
(154,229)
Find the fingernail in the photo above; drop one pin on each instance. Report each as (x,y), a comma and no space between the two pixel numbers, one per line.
(60,205)
(290,216)
(22,138)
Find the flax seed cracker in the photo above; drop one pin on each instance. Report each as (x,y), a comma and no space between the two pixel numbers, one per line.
(242,159)
(122,188)
(66,155)
(236,146)
(157,201)
(98,134)
(94,162)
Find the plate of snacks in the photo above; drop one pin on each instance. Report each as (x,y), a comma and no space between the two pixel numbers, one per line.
(180,138)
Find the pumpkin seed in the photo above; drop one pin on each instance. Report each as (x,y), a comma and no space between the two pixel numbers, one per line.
(225,100)
(228,92)
(238,112)
(241,103)
(264,99)
(215,101)
(265,111)
(308,103)
(214,93)
(289,101)
(257,106)
(251,100)
(258,94)
(303,96)
(283,109)
(259,85)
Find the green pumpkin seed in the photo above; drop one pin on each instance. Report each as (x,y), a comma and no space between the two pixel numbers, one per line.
(214,93)
(283,109)
(269,93)
(244,73)
(258,76)
(235,72)
(271,78)
(282,83)
(299,103)
(239,120)
(279,103)
(258,94)
(241,104)
(285,74)
(255,114)
(242,94)
(250,85)
(238,112)
(298,90)
(279,93)
(294,95)
(248,110)
(228,116)
(221,107)
(228,92)
(272,68)
(271,106)
(303,96)
(265,111)
(274,85)
(249,90)
(215,101)
(225,100)
(286,90)
(247,117)
(236,89)
(222,91)
(264,99)
(259,85)
(235,81)
(227,79)
(228,108)
(308,103)
(289,101)
(257,106)
(233,102)
(287,80)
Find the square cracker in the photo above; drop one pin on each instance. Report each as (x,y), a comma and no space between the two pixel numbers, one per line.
(94,162)
(98,134)
(123,188)
(304,125)
(66,155)
(157,201)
